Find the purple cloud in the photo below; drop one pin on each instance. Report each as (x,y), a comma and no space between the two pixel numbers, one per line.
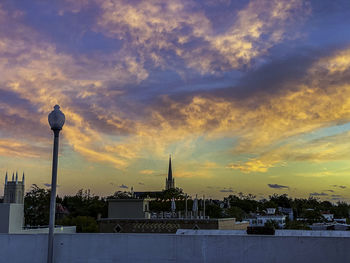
(318,194)
(278,186)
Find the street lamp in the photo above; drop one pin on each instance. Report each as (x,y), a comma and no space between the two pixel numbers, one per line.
(186,196)
(56,121)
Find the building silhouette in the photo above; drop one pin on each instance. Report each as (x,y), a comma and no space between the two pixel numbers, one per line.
(14,190)
(170,181)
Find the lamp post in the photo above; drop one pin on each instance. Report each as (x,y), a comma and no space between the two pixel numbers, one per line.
(56,120)
(204,206)
(186,206)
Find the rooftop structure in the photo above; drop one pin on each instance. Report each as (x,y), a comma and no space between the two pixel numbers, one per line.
(128,208)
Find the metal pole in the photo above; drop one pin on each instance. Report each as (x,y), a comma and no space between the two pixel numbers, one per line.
(186,207)
(53,196)
(204,206)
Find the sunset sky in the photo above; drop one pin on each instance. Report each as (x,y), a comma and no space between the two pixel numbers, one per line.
(247,96)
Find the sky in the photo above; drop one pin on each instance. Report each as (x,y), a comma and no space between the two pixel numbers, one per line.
(247,96)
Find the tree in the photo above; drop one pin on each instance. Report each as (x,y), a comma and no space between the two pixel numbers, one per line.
(84,204)
(312,216)
(342,210)
(37,206)
(245,202)
(121,195)
(175,193)
(281,200)
(236,212)
(213,211)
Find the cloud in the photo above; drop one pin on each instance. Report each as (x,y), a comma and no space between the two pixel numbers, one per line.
(140,183)
(184,31)
(123,186)
(253,165)
(318,194)
(15,148)
(336,196)
(278,186)
(38,76)
(226,190)
(147,172)
(210,165)
(339,186)
(104,121)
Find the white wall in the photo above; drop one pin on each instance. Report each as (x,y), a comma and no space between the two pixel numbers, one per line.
(16,217)
(11,217)
(108,248)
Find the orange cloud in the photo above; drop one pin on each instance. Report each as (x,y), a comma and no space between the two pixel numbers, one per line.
(43,77)
(147,172)
(15,148)
(253,165)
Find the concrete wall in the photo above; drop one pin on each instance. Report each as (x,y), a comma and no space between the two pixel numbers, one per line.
(226,223)
(4,218)
(16,217)
(278,232)
(231,223)
(108,248)
(11,218)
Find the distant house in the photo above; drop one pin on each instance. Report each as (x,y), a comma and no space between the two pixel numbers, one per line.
(328,216)
(262,219)
(340,220)
(61,211)
(145,194)
(287,211)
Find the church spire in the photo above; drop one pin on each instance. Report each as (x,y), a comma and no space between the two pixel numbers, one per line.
(170,171)
(6,178)
(170,182)
(23,178)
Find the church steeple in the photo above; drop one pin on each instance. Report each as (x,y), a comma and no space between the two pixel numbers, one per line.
(169,182)
(170,171)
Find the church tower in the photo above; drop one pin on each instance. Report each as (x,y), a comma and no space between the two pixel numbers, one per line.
(14,190)
(170,181)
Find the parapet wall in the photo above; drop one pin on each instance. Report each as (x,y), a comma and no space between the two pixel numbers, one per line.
(69,248)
